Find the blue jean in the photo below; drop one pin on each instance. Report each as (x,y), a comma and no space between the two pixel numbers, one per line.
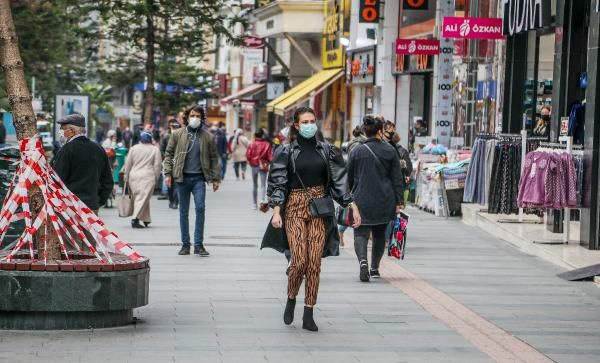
(223,165)
(195,185)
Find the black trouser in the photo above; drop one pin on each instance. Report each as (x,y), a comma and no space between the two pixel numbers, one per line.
(172,193)
(361,241)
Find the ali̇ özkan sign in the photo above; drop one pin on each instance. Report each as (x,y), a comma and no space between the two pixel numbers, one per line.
(418,46)
(472,28)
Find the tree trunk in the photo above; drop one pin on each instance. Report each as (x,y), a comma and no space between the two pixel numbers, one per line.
(150,67)
(22,110)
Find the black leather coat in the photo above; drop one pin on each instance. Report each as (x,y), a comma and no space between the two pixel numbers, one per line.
(284,165)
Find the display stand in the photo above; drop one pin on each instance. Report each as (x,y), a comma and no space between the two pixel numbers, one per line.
(567,143)
(520,217)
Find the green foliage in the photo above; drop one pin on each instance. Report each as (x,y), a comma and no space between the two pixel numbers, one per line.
(184,77)
(173,32)
(57,41)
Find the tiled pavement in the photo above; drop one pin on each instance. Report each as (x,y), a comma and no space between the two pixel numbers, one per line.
(228,308)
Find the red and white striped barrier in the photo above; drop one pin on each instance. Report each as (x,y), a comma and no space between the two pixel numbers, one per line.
(62,210)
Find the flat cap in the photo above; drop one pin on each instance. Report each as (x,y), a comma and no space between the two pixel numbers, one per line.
(74,119)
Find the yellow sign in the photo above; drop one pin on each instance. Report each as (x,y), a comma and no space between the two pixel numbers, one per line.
(335,26)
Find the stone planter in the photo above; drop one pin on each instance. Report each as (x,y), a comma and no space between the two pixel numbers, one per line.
(79,294)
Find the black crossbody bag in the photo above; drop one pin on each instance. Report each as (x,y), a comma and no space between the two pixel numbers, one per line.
(319,207)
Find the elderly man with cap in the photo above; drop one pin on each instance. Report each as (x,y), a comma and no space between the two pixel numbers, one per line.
(82,164)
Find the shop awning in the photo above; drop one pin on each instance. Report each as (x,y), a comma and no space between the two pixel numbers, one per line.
(316,83)
(244,92)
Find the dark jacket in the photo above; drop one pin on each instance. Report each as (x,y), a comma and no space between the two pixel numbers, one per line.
(221,140)
(83,167)
(282,166)
(177,148)
(164,143)
(404,155)
(377,187)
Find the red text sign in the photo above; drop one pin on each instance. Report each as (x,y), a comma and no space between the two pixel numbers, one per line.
(418,46)
(472,28)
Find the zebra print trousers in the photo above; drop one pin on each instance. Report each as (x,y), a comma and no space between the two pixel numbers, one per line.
(306,236)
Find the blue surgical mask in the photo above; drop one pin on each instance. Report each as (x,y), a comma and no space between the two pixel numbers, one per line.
(308,131)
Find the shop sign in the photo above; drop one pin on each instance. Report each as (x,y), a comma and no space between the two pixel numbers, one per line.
(524,15)
(274,90)
(472,28)
(418,46)
(253,42)
(333,31)
(362,66)
(369,11)
(415,4)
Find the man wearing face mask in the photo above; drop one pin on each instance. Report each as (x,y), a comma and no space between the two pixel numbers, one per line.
(82,164)
(191,160)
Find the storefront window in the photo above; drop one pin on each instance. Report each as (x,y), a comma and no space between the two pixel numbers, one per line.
(537,103)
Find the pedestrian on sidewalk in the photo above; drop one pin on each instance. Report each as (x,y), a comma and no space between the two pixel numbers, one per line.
(377,185)
(191,160)
(221,140)
(239,147)
(141,171)
(303,170)
(82,164)
(259,155)
(171,190)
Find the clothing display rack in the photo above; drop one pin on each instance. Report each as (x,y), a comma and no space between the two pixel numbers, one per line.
(566,143)
(525,148)
(505,172)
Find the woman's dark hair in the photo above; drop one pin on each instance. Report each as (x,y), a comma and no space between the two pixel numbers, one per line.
(371,126)
(293,135)
(357,131)
(196,108)
(259,134)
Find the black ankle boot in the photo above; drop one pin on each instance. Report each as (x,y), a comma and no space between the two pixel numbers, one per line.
(307,320)
(135,223)
(288,315)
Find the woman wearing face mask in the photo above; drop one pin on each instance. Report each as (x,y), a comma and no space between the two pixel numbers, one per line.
(302,170)
(376,181)
(543,126)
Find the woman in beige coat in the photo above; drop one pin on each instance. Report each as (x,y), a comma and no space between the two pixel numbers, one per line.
(239,145)
(142,169)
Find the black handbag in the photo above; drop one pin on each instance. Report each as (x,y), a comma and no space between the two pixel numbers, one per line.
(319,207)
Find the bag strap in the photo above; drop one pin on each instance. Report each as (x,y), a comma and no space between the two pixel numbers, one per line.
(375,156)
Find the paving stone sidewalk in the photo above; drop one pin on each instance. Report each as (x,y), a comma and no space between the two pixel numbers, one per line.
(228,307)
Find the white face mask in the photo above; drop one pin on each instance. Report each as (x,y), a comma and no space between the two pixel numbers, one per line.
(194,122)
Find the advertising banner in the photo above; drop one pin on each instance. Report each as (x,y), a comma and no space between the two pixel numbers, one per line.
(69,103)
(369,11)
(472,28)
(444,115)
(418,46)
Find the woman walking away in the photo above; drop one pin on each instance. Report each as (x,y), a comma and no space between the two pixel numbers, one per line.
(377,184)
(142,170)
(305,174)
(259,155)
(239,146)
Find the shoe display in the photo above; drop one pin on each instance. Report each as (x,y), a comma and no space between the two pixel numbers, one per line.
(201,251)
(308,322)
(364,272)
(288,315)
(375,274)
(185,250)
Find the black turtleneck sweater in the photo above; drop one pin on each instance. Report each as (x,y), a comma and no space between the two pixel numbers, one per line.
(309,165)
